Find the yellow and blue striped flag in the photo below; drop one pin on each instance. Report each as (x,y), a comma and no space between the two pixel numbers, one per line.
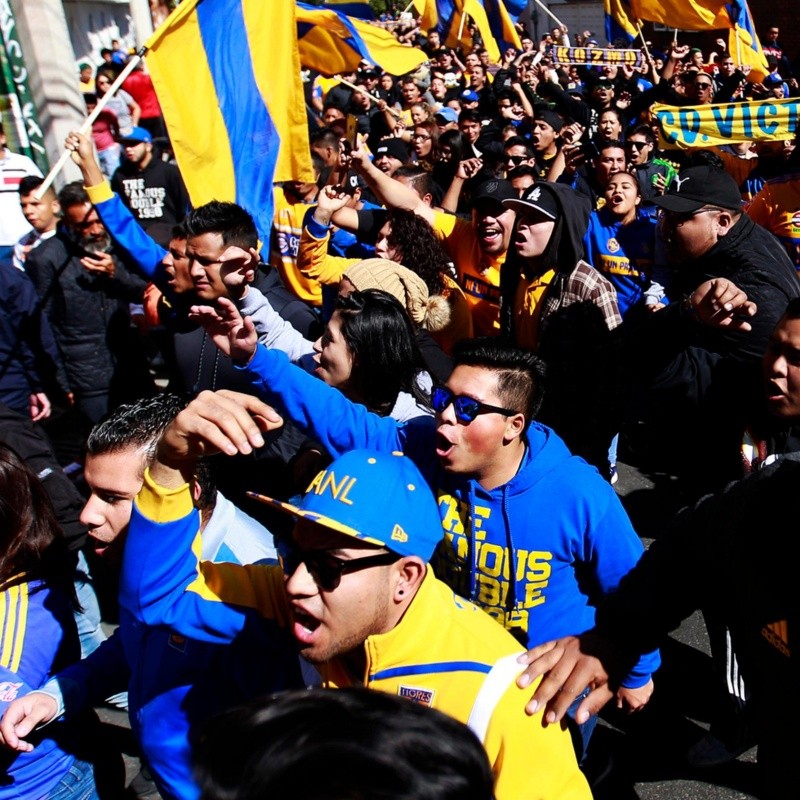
(490,17)
(620,21)
(743,42)
(330,42)
(227,75)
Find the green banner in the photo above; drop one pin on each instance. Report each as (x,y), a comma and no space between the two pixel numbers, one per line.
(20,119)
(709,125)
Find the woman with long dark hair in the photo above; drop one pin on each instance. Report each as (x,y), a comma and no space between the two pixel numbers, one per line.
(368,349)
(38,636)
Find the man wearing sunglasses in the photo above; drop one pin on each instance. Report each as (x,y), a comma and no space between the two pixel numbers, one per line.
(354,591)
(521,517)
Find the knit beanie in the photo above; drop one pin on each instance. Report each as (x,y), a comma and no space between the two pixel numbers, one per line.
(431,313)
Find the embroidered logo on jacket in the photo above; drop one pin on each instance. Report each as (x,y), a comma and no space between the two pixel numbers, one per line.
(422,696)
(9,691)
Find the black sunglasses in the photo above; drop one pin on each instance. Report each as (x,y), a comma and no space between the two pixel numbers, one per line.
(466,408)
(326,569)
(515,160)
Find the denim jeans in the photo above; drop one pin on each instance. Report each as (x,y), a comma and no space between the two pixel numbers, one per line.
(581,734)
(77,784)
(87,620)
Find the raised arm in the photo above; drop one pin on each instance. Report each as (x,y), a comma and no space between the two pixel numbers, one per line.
(391,192)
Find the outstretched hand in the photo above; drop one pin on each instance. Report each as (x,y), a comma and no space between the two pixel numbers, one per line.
(567,666)
(233,334)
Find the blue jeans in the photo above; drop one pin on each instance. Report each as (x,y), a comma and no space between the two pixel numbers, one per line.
(88,620)
(77,784)
(581,734)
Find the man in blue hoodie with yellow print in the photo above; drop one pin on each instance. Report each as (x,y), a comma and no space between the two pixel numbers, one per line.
(532,534)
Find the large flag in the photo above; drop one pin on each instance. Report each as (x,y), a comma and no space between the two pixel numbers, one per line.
(431,11)
(620,21)
(331,42)
(490,17)
(688,15)
(743,42)
(227,75)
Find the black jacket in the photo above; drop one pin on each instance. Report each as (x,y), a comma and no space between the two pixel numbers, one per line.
(672,352)
(737,554)
(88,313)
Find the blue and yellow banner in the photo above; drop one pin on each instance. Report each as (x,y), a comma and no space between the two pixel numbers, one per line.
(330,43)
(709,125)
(361,10)
(227,75)
(597,56)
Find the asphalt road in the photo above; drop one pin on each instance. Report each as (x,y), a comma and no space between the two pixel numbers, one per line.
(643,755)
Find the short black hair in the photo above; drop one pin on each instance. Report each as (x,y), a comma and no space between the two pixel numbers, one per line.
(30,183)
(73,194)
(520,374)
(642,130)
(351,742)
(232,222)
(138,425)
(469,115)
(326,137)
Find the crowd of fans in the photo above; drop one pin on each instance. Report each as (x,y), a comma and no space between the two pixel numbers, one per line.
(498,273)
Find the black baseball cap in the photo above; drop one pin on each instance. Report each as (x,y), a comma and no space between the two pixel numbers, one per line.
(392,147)
(496,189)
(696,187)
(540,198)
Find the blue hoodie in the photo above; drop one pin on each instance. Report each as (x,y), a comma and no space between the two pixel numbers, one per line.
(557,526)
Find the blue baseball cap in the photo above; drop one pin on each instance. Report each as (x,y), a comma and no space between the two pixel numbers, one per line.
(447,114)
(468,96)
(380,498)
(136,135)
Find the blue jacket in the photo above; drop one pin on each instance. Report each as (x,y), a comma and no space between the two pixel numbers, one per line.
(37,637)
(174,682)
(557,527)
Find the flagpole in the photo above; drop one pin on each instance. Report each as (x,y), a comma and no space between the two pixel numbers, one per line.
(87,125)
(461,25)
(550,13)
(675,37)
(407,7)
(372,97)
(644,43)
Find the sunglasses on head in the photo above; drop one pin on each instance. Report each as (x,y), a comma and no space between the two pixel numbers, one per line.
(467,408)
(326,569)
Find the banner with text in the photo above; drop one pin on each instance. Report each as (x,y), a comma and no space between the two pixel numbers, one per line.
(599,56)
(709,125)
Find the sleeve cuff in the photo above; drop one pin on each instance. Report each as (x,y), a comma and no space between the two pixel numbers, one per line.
(100,193)
(317,229)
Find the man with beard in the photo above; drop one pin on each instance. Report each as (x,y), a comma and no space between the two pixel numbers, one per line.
(151,188)
(85,292)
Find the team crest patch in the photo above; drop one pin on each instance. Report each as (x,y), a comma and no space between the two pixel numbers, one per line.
(177,642)
(422,696)
(613,245)
(9,691)
(796,219)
